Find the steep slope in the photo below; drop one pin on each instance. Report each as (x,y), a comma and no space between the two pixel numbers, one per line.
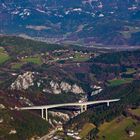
(37,73)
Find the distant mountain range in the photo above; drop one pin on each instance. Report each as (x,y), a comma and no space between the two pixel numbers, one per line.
(86,22)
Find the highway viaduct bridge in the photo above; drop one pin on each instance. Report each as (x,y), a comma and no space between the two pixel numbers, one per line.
(83,106)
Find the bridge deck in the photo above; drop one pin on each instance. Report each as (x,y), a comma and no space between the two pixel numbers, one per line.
(69,104)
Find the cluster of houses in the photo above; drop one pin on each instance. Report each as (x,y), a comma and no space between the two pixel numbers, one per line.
(69,133)
(58,55)
(131,133)
(73,134)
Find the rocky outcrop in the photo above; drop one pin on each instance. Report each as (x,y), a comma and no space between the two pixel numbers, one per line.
(25,101)
(13,131)
(76,89)
(55,87)
(1,120)
(65,86)
(23,82)
(63,116)
(58,88)
(28,79)
(96,90)
(2,106)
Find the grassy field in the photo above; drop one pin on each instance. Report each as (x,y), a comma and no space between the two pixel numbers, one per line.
(80,57)
(86,129)
(1,49)
(3,56)
(17,65)
(117,82)
(35,60)
(130,71)
(136,111)
(127,34)
(115,130)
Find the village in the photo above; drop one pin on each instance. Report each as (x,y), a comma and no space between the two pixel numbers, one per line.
(58,56)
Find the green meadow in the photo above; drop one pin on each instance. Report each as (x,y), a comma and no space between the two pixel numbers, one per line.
(117,82)
(116,129)
(3,56)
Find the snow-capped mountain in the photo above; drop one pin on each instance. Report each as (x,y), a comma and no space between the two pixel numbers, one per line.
(82,21)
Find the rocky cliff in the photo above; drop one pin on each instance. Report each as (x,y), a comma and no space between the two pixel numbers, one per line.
(28,79)
(58,88)
(23,81)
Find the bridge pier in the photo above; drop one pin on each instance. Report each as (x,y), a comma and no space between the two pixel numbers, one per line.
(83,108)
(46,114)
(42,113)
(45,117)
(108,104)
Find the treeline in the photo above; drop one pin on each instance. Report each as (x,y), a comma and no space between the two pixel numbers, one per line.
(111,65)
(20,45)
(99,69)
(135,39)
(118,57)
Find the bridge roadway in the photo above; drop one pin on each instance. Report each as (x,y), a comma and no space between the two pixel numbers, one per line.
(82,105)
